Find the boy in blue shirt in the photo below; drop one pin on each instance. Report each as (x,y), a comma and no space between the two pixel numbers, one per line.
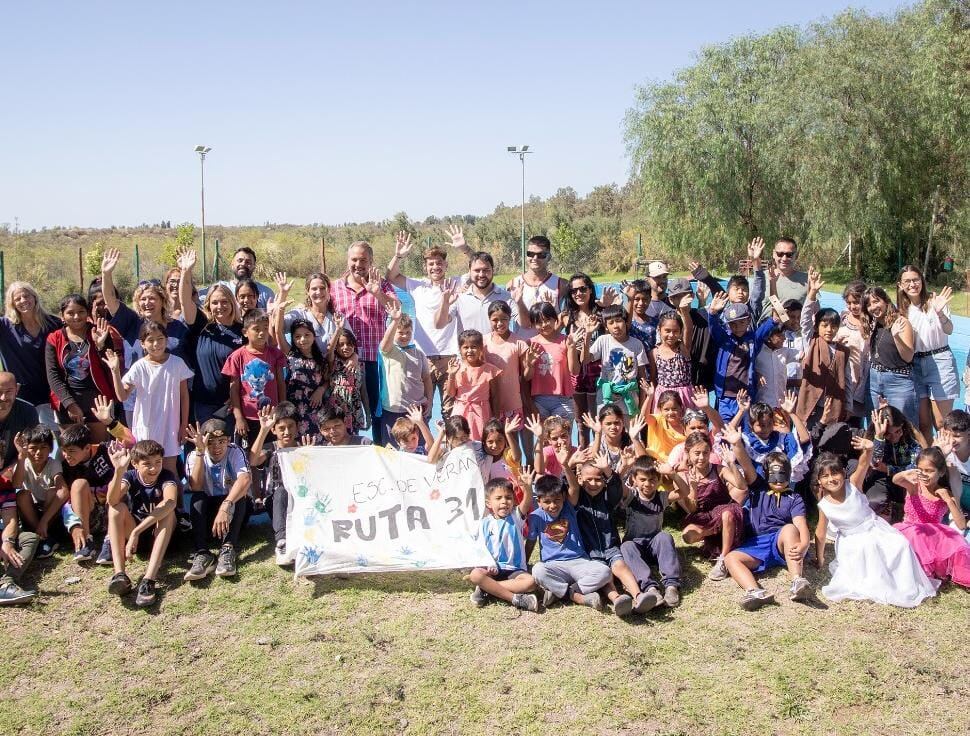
(776,534)
(502,532)
(565,568)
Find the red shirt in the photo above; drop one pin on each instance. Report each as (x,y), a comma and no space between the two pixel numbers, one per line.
(365,315)
(257,372)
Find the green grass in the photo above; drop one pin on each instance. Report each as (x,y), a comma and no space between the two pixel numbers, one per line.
(408,653)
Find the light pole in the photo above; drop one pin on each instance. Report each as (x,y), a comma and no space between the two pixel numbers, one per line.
(202,151)
(521,152)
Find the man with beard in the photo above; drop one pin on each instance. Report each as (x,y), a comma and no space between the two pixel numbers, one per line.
(439,344)
(243,265)
(362,296)
(474,298)
(16,415)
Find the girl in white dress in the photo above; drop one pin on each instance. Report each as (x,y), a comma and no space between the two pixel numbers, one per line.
(872,561)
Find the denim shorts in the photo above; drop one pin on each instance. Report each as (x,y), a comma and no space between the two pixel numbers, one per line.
(935,377)
(896,388)
(555,406)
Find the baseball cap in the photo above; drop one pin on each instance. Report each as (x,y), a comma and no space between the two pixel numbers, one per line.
(678,285)
(657,268)
(736,311)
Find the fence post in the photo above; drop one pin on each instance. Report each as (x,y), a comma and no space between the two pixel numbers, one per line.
(3,275)
(137,265)
(639,245)
(215,263)
(323,255)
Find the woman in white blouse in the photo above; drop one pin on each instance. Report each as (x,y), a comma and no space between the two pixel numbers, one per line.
(934,367)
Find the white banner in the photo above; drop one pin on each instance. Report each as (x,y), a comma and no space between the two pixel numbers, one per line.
(370,509)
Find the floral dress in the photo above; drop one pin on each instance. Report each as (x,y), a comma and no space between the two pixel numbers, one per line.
(345,388)
(303,377)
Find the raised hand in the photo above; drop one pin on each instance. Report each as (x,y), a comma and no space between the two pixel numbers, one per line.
(533,353)
(577,337)
(339,321)
(756,247)
(648,389)
(100,332)
(394,311)
(112,359)
(307,440)
(527,476)
(373,284)
(454,365)
(267,417)
(939,302)
(457,236)
(534,425)
(193,433)
(636,426)
(186,260)
(513,424)
(702,293)
(880,423)
(416,414)
(899,324)
(118,455)
(282,284)
(727,453)
(862,443)
(627,457)
(610,296)
(110,260)
(944,441)
(516,287)
(718,303)
(602,461)
(789,402)
(21,444)
(103,410)
(402,244)
(743,399)
(694,266)
(731,435)
(562,453)
(591,422)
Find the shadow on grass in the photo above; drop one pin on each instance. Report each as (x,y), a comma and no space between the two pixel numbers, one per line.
(436,581)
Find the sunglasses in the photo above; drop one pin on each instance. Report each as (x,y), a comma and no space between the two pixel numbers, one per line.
(540,254)
(579,289)
(150,282)
(784,254)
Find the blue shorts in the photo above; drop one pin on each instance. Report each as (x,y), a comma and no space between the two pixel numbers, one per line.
(763,548)
(935,377)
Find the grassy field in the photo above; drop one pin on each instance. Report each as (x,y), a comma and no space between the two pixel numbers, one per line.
(409,654)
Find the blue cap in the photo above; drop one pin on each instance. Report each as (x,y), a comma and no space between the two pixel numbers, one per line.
(735,311)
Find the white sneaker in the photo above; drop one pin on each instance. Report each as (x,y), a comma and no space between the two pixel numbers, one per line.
(282,558)
(719,571)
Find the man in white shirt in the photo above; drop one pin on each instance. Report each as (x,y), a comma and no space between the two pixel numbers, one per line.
(475,296)
(440,345)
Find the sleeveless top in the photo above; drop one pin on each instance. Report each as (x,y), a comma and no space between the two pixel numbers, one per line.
(672,372)
(884,350)
(919,510)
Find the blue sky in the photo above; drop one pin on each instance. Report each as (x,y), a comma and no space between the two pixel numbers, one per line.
(321,112)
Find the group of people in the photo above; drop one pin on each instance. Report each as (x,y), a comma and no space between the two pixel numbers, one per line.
(739,411)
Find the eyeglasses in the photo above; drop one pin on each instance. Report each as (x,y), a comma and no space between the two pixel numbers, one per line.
(784,254)
(579,289)
(540,254)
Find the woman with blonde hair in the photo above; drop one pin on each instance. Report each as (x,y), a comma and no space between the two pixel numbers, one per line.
(23,335)
(215,332)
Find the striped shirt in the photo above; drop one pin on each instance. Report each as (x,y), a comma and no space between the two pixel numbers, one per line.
(505,540)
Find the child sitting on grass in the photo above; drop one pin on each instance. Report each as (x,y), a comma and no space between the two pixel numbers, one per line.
(219,480)
(646,543)
(565,570)
(776,534)
(42,493)
(140,499)
(502,530)
(17,548)
(596,492)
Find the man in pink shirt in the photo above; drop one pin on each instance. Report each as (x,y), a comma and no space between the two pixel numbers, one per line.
(362,296)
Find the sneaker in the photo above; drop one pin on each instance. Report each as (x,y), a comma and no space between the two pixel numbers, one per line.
(593,600)
(120,584)
(146,593)
(282,559)
(12,594)
(719,571)
(479,597)
(648,600)
(86,553)
(226,568)
(104,556)
(801,590)
(526,602)
(203,565)
(756,598)
(672,596)
(183,521)
(549,598)
(46,549)
(623,605)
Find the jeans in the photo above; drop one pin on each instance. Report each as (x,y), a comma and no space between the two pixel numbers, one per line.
(203,513)
(658,550)
(27,546)
(560,577)
(372,381)
(897,389)
(279,512)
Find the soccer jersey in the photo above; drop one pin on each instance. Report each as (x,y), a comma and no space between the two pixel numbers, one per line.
(505,540)
(219,476)
(142,496)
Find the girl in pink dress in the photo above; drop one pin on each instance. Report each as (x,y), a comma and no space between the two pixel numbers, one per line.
(469,382)
(941,550)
